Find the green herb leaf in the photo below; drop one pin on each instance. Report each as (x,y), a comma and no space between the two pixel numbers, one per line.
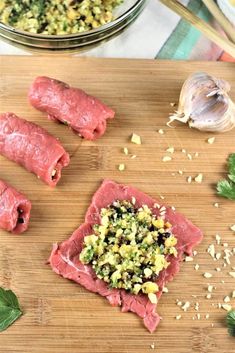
(230,319)
(232,177)
(231,164)
(226,188)
(9,308)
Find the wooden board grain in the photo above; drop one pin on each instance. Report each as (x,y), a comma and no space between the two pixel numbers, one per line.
(62,317)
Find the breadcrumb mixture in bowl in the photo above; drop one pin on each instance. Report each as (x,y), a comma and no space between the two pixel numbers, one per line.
(65,25)
(57,17)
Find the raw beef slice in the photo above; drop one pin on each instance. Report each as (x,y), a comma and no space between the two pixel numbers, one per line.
(32,147)
(64,258)
(14,209)
(85,114)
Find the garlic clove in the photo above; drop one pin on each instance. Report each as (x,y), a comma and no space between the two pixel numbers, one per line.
(205,104)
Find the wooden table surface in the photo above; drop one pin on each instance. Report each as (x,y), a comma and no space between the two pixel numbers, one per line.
(59,315)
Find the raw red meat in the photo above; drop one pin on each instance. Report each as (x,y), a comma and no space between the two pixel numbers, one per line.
(85,114)
(65,261)
(32,147)
(14,209)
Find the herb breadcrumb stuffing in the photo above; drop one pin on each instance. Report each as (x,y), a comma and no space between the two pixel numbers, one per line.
(57,17)
(130,248)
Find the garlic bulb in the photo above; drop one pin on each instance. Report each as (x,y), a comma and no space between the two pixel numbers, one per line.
(205,104)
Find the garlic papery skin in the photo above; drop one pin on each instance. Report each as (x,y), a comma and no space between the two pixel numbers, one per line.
(204,104)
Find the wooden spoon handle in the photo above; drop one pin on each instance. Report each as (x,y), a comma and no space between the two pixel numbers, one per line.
(201,25)
(220,18)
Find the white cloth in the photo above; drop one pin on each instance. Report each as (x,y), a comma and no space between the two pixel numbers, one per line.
(143,39)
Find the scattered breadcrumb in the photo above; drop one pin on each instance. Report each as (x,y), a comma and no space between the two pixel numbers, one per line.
(188,258)
(216,204)
(226,307)
(194,252)
(218,255)
(136,139)
(166,158)
(178,317)
(189,179)
(152,345)
(208,296)
(211,250)
(173,208)
(196,307)
(218,239)
(196,154)
(218,269)
(161,131)
(226,299)
(196,267)
(210,288)
(172,104)
(133,200)
(198,316)
(211,140)
(199,178)
(233,294)
(162,197)
(189,156)
(207,316)
(185,306)
(207,275)
(165,290)
(170,150)
(232,274)
(133,156)
(233,227)
(153,298)
(183,150)
(156,205)
(180,172)
(121,167)
(125,150)
(212,325)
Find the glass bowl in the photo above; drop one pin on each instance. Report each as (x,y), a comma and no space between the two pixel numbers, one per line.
(124,15)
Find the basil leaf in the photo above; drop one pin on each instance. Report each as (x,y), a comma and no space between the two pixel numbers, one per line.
(9,308)
(8,298)
(231,322)
(226,188)
(231,164)
(8,316)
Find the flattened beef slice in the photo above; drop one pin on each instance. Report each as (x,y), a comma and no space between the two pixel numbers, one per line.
(64,258)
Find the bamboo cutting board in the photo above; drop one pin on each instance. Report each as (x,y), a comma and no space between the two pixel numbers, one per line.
(59,315)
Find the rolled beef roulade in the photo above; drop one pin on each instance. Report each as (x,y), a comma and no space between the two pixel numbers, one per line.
(85,114)
(14,209)
(32,147)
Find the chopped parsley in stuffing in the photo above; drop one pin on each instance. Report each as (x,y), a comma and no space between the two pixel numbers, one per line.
(57,17)
(129,248)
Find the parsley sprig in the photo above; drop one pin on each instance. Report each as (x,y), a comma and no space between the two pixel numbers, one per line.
(9,308)
(226,188)
(231,322)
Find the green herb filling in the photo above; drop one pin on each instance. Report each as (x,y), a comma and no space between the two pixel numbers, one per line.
(129,248)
